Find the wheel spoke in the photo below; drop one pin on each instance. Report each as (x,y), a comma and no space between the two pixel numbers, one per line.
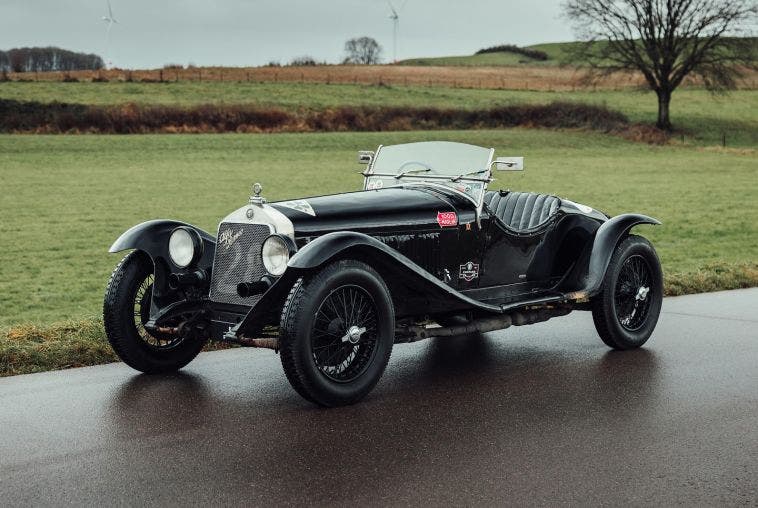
(346,308)
(631,295)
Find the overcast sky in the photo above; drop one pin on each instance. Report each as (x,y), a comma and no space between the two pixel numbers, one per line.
(151,33)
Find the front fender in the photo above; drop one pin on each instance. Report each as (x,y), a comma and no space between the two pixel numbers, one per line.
(609,234)
(333,245)
(391,264)
(398,271)
(152,238)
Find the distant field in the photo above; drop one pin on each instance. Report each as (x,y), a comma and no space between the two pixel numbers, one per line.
(66,198)
(705,118)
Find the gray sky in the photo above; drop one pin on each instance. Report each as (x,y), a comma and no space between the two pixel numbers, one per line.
(151,33)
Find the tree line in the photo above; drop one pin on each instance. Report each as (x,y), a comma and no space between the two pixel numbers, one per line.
(47,59)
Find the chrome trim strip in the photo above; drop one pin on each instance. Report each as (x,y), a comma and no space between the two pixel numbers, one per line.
(262,214)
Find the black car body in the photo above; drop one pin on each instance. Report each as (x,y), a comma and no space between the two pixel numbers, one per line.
(454,258)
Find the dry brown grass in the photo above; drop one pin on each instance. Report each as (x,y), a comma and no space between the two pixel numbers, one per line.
(507,78)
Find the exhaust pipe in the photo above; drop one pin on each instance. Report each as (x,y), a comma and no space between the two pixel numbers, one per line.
(266,343)
(415,333)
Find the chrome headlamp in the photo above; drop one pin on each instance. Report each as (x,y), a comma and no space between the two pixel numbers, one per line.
(185,246)
(276,254)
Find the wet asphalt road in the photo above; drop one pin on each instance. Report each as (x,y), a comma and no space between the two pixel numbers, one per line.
(542,414)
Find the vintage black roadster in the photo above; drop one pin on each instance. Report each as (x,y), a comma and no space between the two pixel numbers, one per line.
(332,282)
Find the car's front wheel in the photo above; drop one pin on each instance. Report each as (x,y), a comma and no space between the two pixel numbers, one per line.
(126,309)
(336,333)
(626,310)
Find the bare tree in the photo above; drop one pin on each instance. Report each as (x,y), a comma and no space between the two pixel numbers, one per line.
(363,50)
(666,40)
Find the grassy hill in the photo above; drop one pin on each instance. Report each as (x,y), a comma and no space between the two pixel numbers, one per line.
(504,58)
(558,54)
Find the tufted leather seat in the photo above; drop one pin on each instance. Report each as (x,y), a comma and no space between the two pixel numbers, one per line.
(522,210)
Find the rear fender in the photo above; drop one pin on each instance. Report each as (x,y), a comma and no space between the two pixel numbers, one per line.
(589,272)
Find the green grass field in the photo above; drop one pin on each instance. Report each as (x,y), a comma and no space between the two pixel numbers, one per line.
(702,117)
(66,198)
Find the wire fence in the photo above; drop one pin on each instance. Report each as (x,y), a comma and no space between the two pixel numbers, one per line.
(544,78)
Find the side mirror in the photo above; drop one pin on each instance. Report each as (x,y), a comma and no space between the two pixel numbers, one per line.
(509,164)
(365,157)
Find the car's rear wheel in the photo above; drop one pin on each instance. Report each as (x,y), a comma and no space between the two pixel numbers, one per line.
(126,309)
(626,310)
(336,333)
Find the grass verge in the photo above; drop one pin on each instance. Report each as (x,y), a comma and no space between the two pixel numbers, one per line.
(27,349)
(712,277)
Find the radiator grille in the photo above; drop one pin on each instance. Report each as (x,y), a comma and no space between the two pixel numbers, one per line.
(238,259)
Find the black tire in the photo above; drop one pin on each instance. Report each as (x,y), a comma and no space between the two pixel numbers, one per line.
(126,309)
(623,319)
(320,363)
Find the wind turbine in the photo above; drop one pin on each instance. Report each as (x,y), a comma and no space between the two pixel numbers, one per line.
(110,20)
(395,17)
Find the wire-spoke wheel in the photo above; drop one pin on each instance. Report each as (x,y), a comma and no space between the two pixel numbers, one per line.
(345,333)
(632,291)
(336,333)
(627,308)
(126,309)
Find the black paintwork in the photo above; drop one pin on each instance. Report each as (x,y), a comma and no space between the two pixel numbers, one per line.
(403,210)
(151,237)
(397,231)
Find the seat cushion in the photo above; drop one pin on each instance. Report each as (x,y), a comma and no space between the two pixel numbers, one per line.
(521,210)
